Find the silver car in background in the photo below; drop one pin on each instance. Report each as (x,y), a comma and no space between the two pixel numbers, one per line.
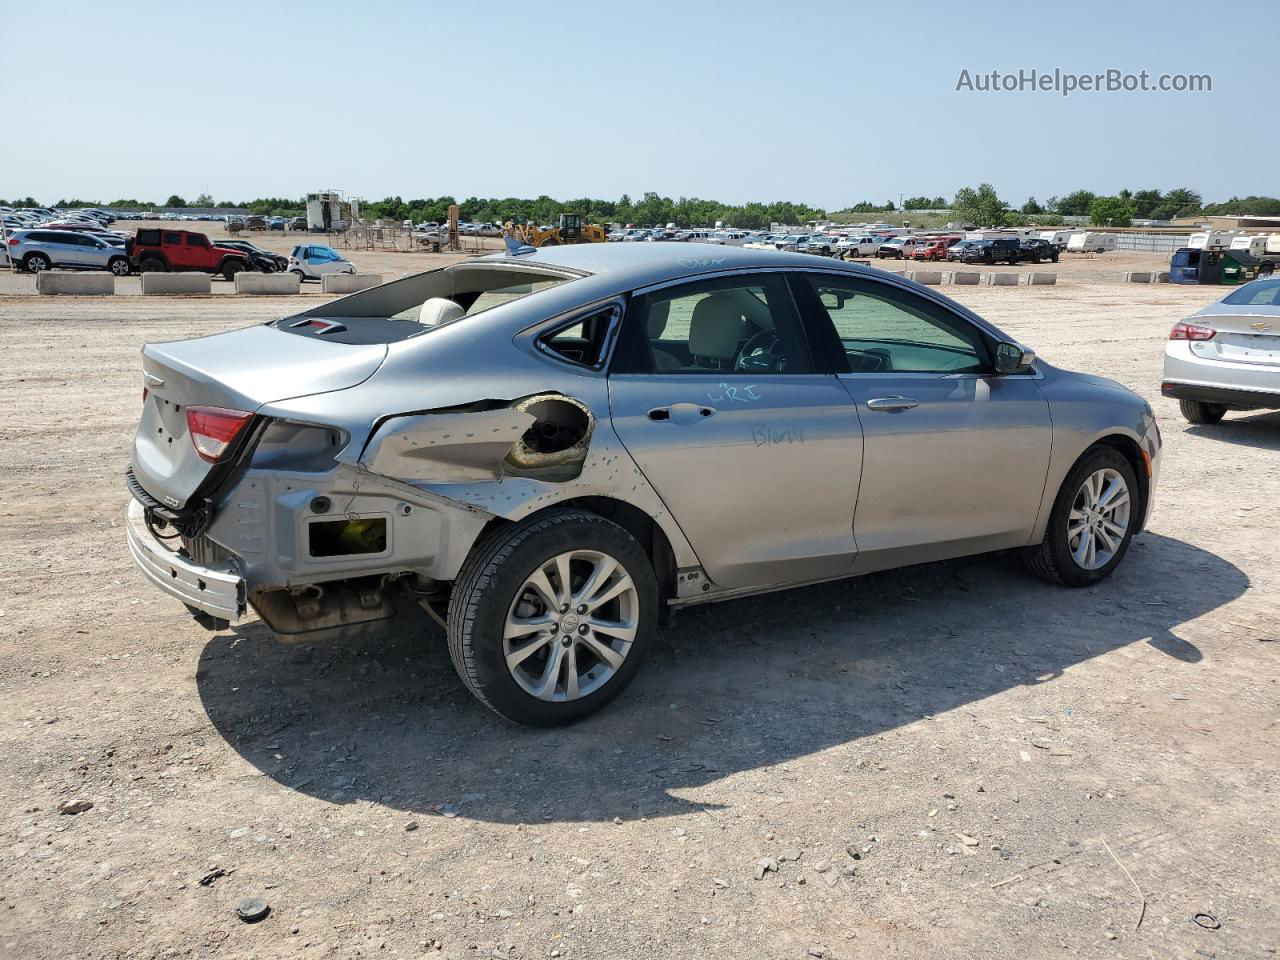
(1227,355)
(542,450)
(38,250)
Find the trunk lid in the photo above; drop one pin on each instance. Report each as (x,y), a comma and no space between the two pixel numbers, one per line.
(241,370)
(1248,335)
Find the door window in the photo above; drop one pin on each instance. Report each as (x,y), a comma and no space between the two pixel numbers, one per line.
(172,239)
(883,330)
(197,240)
(732,325)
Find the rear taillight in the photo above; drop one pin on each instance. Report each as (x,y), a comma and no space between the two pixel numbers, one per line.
(1191,331)
(14,241)
(213,429)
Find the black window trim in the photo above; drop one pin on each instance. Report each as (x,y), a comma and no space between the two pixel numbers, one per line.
(531,337)
(950,319)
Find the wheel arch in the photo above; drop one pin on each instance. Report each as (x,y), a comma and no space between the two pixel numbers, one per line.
(643,527)
(1124,443)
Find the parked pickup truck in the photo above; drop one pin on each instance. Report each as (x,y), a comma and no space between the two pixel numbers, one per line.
(1036,249)
(161,251)
(986,251)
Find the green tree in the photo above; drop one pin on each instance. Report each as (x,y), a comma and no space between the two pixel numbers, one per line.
(1184,200)
(204,200)
(1110,212)
(982,206)
(175,201)
(1144,201)
(1031,207)
(1075,204)
(1258,206)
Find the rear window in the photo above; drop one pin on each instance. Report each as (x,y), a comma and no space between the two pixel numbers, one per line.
(1260,293)
(149,238)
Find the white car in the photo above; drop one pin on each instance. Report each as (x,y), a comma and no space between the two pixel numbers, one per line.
(312,261)
(863,246)
(1227,356)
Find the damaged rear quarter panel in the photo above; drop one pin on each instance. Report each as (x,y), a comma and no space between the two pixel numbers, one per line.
(489,357)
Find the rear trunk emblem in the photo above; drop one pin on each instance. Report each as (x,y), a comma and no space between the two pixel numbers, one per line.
(1260,326)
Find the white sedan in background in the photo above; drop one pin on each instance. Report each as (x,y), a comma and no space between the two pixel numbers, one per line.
(1227,356)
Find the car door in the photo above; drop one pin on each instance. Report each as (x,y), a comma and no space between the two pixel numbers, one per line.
(174,251)
(746,435)
(954,456)
(196,251)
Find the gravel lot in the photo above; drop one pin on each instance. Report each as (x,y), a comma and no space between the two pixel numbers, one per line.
(952,761)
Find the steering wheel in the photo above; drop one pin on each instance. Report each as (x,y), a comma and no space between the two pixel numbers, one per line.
(759,354)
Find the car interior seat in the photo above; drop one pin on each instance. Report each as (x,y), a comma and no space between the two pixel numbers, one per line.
(438,310)
(715,331)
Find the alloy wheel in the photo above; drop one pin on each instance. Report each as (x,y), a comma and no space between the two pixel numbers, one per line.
(1099,519)
(571,625)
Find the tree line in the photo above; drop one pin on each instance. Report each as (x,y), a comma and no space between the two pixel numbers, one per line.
(979,205)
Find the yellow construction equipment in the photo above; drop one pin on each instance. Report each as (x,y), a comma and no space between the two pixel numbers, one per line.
(569,228)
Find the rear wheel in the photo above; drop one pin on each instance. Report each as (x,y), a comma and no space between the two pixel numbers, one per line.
(36,263)
(1197,411)
(550,618)
(152,265)
(1094,518)
(299,274)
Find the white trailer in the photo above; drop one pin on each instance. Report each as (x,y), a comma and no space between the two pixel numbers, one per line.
(1058,238)
(1254,246)
(324,211)
(1212,240)
(1086,241)
(1273,243)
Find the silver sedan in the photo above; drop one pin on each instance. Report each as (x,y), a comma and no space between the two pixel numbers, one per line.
(1227,356)
(541,450)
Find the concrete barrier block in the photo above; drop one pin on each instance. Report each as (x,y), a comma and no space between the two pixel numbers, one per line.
(162,284)
(930,278)
(1161,277)
(1135,276)
(75,283)
(267,284)
(965,278)
(349,282)
(1040,279)
(1002,279)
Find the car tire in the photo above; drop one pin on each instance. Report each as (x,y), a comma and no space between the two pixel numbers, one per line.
(495,589)
(1197,411)
(1064,557)
(36,263)
(231,268)
(119,266)
(152,265)
(299,274)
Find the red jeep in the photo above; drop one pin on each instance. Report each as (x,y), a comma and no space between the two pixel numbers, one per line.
(159,251)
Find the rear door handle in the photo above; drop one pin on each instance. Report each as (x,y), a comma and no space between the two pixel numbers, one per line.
(892,404)
(681,413)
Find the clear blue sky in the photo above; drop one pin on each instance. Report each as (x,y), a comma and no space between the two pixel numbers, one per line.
(827,103)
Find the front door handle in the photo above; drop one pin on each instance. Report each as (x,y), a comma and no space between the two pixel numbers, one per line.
(892,404)
(681,413)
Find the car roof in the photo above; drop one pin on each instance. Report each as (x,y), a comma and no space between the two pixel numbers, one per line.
(633,265)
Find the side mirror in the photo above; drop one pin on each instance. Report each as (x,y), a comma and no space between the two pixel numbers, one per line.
(1013,358)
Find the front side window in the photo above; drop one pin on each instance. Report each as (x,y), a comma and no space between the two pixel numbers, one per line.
(732,325)
(197,240)
(883,330)
(172,239)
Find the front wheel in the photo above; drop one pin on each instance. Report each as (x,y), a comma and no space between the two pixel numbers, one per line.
(119,266)
(1196,411)
(1094,518)
(231,268)
(550,618)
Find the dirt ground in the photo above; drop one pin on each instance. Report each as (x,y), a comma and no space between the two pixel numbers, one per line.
(952,760)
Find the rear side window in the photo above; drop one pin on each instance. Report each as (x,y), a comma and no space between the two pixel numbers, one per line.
(583,341)
(148,238)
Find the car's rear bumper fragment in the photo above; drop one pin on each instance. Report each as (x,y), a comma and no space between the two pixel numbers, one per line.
(218,591)
(1227,396)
